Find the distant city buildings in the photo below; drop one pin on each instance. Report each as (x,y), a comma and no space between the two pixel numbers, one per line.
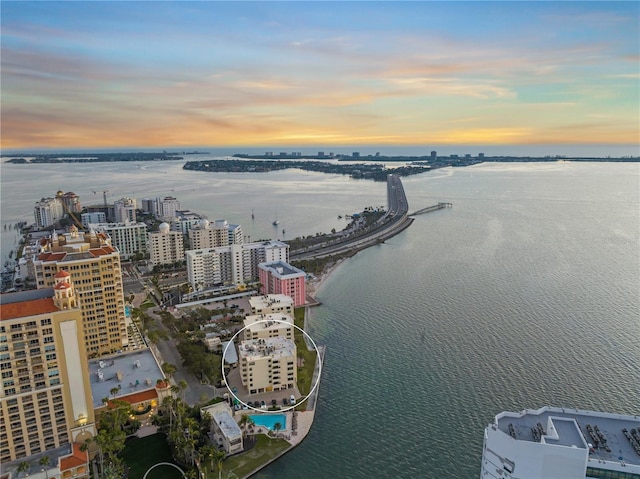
(166,246)
(434,155)
(70,201)
(278,277)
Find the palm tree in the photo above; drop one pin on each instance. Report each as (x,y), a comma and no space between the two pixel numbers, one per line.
(169,369)
(183,385)
(44,462)
(276,427)
(23,467)
(219,457)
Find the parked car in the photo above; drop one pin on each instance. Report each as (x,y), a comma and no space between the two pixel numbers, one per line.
(292,399)
(285,401)
(250,404)
(274,402)
(263,405)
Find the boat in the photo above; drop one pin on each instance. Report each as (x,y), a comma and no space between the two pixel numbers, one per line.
(276,222)
(561,442)
(282,230)
(339,217)
(252,215)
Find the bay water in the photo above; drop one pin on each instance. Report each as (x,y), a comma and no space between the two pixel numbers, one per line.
(525,293)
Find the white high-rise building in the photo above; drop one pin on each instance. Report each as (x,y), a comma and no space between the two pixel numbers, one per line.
(185,220)
(232,264)
(128,238)
(48,211)
(272,325)
(561,443)
(167,208)
(96,217)
(125,210)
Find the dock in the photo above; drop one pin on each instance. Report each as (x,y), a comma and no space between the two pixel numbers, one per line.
(431,208)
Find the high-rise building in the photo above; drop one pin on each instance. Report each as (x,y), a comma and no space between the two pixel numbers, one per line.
(166,246)
(434,155)
(271,303)
(233,264)
(184,220)
(278,277)
(271,325)
(96,217)
(206,235)
(71,201)
(94,266)
(125,210)
(45,395)
(128,238)
(167,207)
(48,211)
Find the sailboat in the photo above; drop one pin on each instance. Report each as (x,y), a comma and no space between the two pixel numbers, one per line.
(276,222)
(252,215)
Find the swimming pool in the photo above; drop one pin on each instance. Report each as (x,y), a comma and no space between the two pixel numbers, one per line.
(269,420)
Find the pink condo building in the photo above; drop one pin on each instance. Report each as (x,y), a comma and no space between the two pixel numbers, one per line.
(279,277)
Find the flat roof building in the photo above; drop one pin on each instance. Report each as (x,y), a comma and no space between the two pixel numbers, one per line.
(128,238)
(271,303)
(268,364)
(561,443)
(225,429)
(279,277)
(264,326)
(166,246)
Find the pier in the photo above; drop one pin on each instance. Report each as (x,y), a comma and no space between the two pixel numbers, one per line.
(431,208)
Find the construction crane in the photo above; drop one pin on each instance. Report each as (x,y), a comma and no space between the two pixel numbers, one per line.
(104,195)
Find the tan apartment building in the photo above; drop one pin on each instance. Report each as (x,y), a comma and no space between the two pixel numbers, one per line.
(166,246)
(45,395)
(271,303)
(94,268)
(268,364)
(264,326)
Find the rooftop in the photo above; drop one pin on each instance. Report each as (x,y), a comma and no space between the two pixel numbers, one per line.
(574,427)
(269,300)
(26,303)
(133,372)
(272,321)
(282,269)
(271,347)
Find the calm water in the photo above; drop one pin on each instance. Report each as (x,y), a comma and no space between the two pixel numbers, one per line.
(525,293)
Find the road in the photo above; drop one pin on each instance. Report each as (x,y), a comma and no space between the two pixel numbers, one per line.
(393,222)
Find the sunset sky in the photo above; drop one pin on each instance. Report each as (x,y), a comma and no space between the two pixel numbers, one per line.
(180,74)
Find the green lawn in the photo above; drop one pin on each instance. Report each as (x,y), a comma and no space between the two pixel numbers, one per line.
(142,453)
(305,373)
(241,465)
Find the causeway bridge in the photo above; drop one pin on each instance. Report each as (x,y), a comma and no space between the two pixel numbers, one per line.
(390,224)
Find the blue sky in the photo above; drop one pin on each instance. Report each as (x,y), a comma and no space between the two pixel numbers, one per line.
(146,74)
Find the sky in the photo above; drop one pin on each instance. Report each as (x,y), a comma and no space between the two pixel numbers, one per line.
(120,74)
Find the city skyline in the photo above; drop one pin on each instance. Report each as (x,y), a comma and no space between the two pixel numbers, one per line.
(231,74)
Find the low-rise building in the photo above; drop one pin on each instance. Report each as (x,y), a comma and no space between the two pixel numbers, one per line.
(268,364)
(226,431)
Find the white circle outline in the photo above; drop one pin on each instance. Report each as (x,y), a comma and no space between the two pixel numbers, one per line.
(318,358)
